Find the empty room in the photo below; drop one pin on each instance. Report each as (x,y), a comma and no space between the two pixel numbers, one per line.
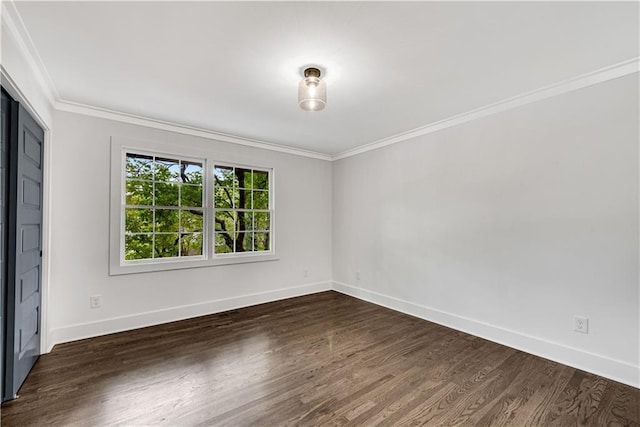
(310,213)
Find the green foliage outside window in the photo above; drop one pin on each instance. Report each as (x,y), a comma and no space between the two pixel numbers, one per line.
(164,207)
(242,211)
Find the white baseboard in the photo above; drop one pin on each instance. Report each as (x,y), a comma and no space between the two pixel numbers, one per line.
(156,317)
(616,370)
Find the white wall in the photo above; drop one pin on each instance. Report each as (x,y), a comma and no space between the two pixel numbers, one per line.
(80,237)
(507,227)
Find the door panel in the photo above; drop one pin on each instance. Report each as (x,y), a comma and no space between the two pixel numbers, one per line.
(30,237)
(31,193)
(29,283)
(29,331)
(32,147)
(25,251)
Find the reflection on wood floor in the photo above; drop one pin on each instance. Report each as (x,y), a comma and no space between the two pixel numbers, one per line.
(322,359)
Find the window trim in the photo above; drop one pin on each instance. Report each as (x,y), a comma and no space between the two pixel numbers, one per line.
(117,264)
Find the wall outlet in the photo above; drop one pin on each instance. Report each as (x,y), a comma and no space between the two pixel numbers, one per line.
(305,273)
(358,275)
(581,324)
(95,301)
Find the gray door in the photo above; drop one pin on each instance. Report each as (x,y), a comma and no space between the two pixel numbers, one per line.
(25,251)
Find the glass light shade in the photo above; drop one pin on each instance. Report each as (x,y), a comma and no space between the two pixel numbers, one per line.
(312,94)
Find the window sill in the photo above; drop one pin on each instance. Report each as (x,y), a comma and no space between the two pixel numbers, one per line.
(134,268)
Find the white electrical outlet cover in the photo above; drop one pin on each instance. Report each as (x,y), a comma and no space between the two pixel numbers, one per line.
(581,324)
(94,301)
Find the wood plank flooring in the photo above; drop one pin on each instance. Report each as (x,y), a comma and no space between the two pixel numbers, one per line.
(322,359)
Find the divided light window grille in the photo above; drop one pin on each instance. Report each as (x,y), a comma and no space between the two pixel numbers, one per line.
(166,211)
(163,209)
(243,210)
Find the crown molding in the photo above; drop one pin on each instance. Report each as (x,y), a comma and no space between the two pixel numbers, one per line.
(599,76)
(575,83)
(103,113)
(12,21)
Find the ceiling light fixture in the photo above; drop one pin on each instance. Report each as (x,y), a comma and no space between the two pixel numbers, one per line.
(312,91)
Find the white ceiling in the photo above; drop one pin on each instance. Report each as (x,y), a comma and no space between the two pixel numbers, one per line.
(233,67)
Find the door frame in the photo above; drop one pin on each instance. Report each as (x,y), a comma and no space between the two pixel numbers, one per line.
(8,244)
(8,84)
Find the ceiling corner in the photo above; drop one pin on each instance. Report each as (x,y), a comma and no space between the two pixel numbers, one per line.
(13,22)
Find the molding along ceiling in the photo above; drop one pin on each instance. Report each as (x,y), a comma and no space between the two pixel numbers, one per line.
(102,113)
(609,73)
(379,93)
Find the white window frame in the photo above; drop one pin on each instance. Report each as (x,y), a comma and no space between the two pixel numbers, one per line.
(270,210)
(118,265)
(124,206)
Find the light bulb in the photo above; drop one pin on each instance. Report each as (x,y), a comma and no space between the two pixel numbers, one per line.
(312,91)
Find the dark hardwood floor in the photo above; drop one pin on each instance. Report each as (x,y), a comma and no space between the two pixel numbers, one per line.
(323,359)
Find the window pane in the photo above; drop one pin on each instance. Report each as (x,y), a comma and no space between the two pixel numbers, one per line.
(245,221)
(244,241)
(166,245)
(191,195)
(139,166)
(224,197)
(167,170)
(166,194)
(225,221)
(261,242)
(244,177)
(247,241)
(167,220)
(138,220)
(224,243)
(191,172)
(191,244)
(225,177)
(138,246)
(191,220)
(260,199)
(262,221)
(260,180)
(139,193)
(164,207)
(244,199)
(240,192)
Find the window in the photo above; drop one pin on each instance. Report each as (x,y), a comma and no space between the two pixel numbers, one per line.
(242,215)
(173,211)
(163,211)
